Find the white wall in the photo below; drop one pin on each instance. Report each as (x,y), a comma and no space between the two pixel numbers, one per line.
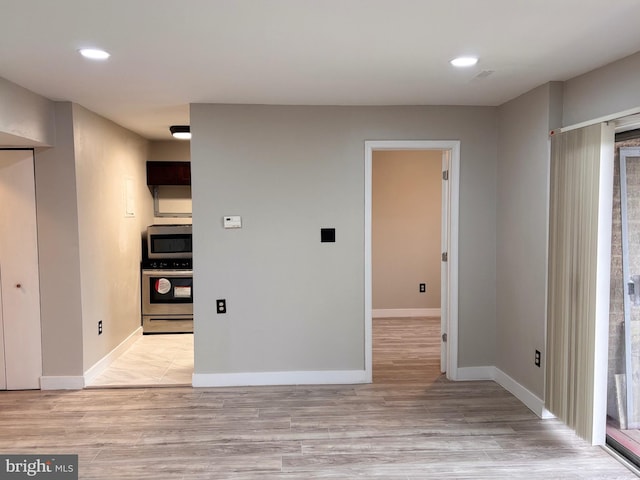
(106,155)
(522,232)
(26,119)
(295,304)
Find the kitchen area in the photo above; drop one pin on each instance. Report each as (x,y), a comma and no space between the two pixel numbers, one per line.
(160,352)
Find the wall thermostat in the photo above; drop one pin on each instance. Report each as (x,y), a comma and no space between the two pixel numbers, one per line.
(232,221)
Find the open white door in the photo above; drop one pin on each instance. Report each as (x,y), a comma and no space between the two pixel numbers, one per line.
(3,369)
(444,269)
(19,276)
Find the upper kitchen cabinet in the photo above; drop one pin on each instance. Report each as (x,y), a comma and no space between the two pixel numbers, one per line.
(169,179)
(168,173)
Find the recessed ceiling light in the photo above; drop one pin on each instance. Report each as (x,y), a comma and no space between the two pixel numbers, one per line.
(182,132)
(94,53)
(464,61)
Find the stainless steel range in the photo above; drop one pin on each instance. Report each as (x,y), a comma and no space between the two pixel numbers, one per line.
(167,288)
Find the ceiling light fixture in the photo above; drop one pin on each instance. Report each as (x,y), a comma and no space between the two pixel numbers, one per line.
(182,132)
(94,53)
(464,61)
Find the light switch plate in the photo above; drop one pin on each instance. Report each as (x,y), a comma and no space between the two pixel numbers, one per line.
(232,221)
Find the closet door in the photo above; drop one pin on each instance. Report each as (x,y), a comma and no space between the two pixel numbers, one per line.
(19,277)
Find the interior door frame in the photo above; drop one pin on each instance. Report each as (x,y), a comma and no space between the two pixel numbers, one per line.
(450,213)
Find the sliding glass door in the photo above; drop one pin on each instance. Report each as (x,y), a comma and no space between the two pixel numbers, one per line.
(623,419)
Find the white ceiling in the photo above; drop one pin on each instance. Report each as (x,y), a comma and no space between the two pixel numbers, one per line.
(167,54)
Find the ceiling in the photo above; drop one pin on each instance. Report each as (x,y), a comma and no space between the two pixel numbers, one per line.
(167,54)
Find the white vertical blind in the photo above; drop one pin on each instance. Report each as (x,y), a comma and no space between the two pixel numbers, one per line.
(578,288)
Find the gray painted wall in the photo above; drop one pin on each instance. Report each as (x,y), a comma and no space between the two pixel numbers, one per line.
(58,250)
(522,232)
(295,304)
(605,91)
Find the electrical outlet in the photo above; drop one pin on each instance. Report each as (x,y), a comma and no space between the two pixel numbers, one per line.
(537,358)
(423,287)
(99,327)
(221,305)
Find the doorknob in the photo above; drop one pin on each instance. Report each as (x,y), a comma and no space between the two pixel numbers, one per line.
(18,285)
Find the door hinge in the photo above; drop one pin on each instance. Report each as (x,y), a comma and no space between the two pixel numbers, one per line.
(445,256)
(444,337)
(445,175)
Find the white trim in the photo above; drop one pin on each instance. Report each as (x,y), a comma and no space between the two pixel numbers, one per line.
(246,379)
(444,270)
(603,293)
(475,373)
(603,119)
(532,401)
(62,383)
(405,312)
(622,459)
(454,207)
(368,262)
(452,303)
(101,365)
(529,399)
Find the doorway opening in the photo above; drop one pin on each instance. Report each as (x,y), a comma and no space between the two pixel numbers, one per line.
(441,331)
(406,255)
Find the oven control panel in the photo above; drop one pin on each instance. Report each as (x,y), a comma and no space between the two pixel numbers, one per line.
(168,264)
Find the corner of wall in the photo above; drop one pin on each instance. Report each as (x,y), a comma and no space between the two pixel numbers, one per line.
(26,118)
(528,398)
(59,261)
(522,225)
(556,95)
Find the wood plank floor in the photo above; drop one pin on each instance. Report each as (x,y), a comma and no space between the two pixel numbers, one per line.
(411,423)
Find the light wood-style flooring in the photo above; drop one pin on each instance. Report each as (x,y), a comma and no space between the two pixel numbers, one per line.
(411,423)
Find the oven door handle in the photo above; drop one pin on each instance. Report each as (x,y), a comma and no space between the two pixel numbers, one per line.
(167,273)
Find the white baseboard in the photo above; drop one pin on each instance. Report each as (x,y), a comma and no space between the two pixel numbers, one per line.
(532,401)
(62,383)
(405,312)
(101,365)
(327,377)
(535,404)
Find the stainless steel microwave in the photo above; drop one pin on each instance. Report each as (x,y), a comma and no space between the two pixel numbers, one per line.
(169,241)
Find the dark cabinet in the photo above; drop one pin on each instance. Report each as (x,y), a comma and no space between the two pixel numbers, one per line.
(168,173)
